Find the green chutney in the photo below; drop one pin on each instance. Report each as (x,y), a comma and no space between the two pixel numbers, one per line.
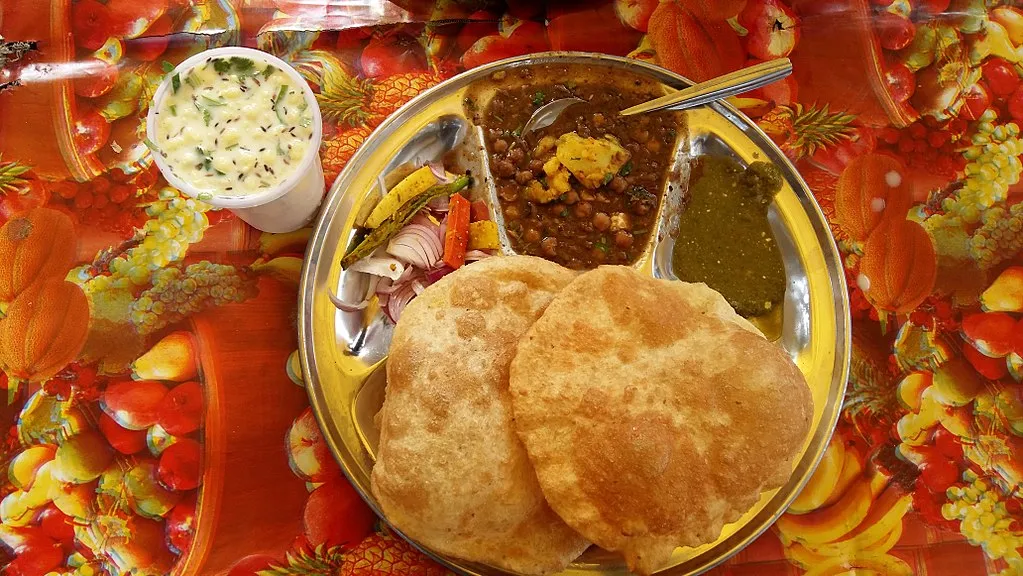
(724,237)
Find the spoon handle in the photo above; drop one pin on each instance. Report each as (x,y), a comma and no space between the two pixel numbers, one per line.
(730,84)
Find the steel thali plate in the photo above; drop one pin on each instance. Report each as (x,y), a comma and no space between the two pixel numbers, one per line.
(344,354)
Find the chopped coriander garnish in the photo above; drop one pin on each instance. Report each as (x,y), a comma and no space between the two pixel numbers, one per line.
(242,65)
(204,196)
(267,71)
(174,110)
(626,169)
(277,103)
(167,66)
(211,101)
(189,80)
(607,178)
(221,65)
(538,98)
(206,116)
(207,158)
(176,83)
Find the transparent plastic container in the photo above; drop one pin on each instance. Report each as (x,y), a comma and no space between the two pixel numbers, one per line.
(291,203)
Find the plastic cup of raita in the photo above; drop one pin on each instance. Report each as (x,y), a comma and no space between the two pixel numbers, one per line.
(240,129)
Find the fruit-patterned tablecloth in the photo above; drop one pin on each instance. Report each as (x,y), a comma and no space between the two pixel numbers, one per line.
(154,418)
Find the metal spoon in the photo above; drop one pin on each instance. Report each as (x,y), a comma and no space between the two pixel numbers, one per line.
(545,115)
(723,86)
(432,142)
(742,80)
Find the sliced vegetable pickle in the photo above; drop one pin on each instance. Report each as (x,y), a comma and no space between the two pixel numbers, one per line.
(389,227)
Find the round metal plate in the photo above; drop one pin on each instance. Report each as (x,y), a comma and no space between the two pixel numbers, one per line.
(343,354)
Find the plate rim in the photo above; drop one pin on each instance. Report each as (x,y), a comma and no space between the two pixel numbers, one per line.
(829,250)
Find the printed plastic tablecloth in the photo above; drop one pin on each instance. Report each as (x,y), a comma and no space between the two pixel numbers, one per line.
(155,415)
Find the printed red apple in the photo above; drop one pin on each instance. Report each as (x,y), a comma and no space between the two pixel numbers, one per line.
(591,28)
(392,52)
(153,43)
(122,439)
(91,130)
(37,557)
(1016,104)
(308,454)
(57,525)
(134,404)
(481,23)
(773,29)
(131,18)
(90,23)
(900,80)
(931,8)
(514,38)
(894,30)
(335,514)
(180,466)
(180,411)
(636,13)
(181,524)
(977,99)
(1001,76)
(98,78)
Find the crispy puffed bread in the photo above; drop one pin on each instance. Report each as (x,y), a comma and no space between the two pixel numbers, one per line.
(653,413)
(450,471)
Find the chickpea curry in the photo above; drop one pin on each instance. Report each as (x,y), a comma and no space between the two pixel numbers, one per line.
(585,190)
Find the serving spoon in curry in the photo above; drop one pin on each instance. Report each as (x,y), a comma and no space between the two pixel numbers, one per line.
(742,80)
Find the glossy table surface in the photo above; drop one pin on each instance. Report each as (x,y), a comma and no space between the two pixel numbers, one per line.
(155,411)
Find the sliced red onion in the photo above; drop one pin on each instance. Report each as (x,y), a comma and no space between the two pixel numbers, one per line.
(438,170)
(437,273)
(391,268)
(417,245)
(418,287)
(344,306)
(398,300)
(473,255)
(371,289)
